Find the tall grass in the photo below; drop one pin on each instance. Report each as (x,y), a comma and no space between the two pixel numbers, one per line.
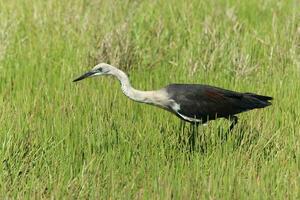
(86,140)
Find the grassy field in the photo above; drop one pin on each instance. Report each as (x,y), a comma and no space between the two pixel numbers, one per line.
(60,140)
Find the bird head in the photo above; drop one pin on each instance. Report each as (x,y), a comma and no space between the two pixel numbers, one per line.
(98,70)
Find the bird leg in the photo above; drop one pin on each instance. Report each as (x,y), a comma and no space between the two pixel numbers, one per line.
(181,133)
(192,136)
(234,121)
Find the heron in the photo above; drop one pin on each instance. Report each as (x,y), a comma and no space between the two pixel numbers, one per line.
(193,103)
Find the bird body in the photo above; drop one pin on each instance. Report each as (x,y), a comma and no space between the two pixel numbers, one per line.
(194,103)
(201,103)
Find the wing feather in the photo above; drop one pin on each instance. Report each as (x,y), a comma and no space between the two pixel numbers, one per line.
(207,102)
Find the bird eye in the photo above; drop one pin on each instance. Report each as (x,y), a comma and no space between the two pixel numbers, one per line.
(99,70)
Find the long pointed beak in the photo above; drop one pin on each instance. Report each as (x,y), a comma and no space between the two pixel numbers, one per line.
(87,74)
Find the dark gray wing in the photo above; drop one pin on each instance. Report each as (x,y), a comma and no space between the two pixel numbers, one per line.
(206,102)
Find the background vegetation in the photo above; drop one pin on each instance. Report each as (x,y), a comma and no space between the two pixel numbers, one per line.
(87,140)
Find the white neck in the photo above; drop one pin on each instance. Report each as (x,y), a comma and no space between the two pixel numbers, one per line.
(151,97)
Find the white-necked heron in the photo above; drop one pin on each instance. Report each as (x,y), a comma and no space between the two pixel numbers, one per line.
(194,103)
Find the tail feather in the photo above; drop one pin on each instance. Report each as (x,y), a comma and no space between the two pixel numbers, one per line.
(258,101)
(260,97)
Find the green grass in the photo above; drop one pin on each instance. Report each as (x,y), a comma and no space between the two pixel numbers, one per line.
(61,140)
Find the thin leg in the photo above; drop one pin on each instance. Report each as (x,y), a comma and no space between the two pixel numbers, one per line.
(181,133)
(192,137)
(182,125)
(234,121)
